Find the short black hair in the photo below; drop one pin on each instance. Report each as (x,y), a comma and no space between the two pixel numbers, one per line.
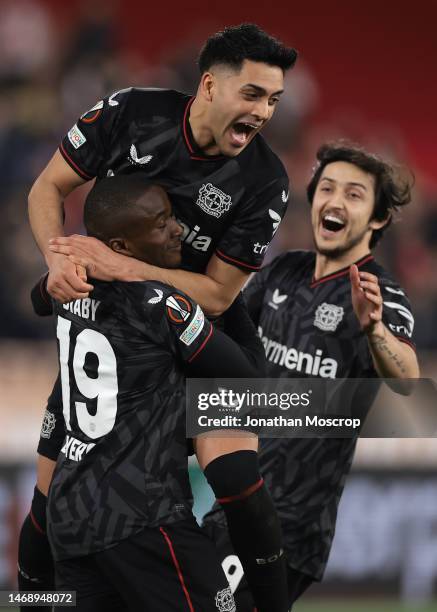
(108,202)
(392,189)
(246,41)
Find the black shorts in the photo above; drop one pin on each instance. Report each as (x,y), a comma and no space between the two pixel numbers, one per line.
(53,426)
(174,568)
(298,582)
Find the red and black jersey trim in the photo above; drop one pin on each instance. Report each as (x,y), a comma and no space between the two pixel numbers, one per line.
(178,569)
(73,164)
(36,524)
(194,150)
(202,346)
(342,272)
(90,117)
(245,494)
(237,262)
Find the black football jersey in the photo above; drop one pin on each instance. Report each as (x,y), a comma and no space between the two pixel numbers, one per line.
(123,465)
(227,206)
(309,329)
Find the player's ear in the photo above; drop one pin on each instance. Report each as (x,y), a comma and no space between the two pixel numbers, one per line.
(206,85)
(119,245)
(376,224)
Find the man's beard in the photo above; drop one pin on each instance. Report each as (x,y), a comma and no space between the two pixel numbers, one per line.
(338,251)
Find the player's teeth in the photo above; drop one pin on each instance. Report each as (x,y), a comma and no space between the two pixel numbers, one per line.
(334,219)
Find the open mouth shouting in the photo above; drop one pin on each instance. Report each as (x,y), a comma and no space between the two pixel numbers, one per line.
(332,224)
(242,131)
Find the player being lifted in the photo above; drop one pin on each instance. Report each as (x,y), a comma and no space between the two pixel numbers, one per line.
(340,309)
(203,150)
(119,512)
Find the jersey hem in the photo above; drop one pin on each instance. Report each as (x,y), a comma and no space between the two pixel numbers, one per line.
(72,164)
(202,346)
(236,262)
(405,341)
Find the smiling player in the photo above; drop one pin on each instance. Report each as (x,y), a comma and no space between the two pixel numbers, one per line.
(229,192)
(119,513)
(335,313)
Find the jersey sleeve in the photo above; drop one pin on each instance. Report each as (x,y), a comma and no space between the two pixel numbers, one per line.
(235,352)
(397,314)
(40,298)
(254,292)
(245,243)
(86,145)
(174,320)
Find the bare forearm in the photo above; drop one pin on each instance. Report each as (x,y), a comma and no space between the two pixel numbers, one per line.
(45,214)
(391,357)
(46,201)
(211,296)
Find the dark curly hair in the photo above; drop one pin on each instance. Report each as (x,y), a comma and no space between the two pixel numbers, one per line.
(392,190)
(246,41)
(110,200)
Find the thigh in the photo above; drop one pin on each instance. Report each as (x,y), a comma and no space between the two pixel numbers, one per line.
(175,567)
(209,447)
(44,473)
(93,592)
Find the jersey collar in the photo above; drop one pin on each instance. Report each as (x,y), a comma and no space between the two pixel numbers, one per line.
(195,151)
(339,273)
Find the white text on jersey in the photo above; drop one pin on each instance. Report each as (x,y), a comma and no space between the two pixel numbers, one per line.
(83,308)
(192,237)
(292,359)
(74,449)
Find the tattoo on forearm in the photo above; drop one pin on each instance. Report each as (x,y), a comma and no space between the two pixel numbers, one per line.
(381,345)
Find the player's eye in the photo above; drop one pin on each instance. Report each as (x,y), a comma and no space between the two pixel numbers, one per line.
(250,96)
(355,195)
(273,101)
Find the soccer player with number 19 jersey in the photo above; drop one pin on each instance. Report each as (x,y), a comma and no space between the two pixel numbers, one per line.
(229,191)
(119,512)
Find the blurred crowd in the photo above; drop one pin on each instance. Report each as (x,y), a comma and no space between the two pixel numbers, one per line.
(50,73)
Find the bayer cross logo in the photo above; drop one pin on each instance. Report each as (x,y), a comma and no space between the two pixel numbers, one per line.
(328,316)
(48,424)
(224,601)
(213,201)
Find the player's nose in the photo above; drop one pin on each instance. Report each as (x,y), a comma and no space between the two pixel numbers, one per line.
(176,228)
(336,199)
(261,110)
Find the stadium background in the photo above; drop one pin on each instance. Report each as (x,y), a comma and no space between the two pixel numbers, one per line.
(366,72)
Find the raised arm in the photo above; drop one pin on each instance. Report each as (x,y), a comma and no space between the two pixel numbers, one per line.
(214,291)
(392,355)
(46,209)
